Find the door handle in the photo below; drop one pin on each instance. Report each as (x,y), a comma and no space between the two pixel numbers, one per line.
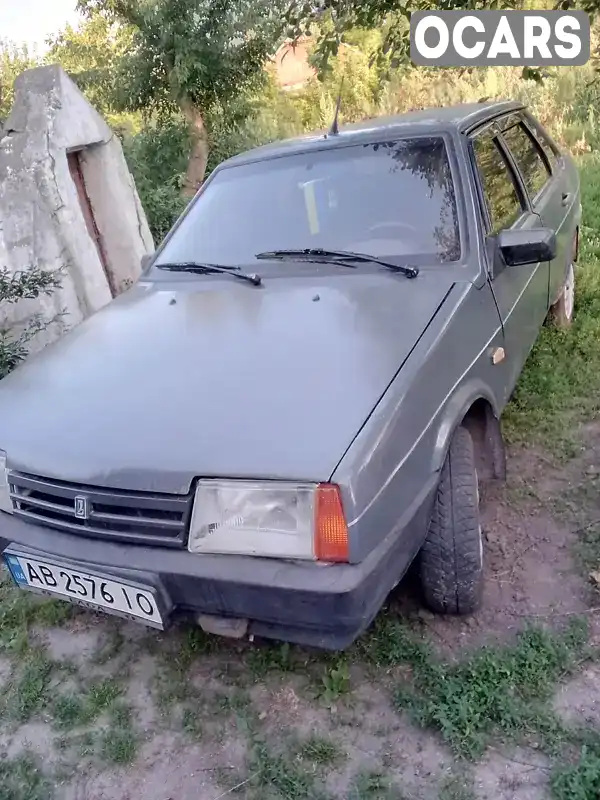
(566,196)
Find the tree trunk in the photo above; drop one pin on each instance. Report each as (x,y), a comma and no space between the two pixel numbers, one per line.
(196,167)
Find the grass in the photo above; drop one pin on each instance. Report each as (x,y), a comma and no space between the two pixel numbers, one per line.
(280,773)
(320,751)
(588,547)
(560,385)
(456,788)
(20,611)
(578,781)
(71,710)
(192,723)
(102,694)
(372,785)
(498,691)
(29,693)
(119,745)
(501,692)
(21,778)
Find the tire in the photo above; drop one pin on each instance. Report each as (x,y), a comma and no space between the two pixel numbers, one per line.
(561,313)
(451,559)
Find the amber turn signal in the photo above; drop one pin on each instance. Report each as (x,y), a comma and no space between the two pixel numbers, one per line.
(331,530)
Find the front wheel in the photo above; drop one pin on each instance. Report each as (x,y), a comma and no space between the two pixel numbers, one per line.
(451,559)
(561,313)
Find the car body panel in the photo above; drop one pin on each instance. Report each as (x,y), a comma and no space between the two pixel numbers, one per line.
(406,438)
(215,378)
(324,373)
(559,207)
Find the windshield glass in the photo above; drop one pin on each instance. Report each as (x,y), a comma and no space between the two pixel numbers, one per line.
(394,200)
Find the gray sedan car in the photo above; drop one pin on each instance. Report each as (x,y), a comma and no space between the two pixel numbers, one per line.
(302,393)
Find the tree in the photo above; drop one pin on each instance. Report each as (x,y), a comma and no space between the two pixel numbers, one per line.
(13,60)
(332,19)
(26,285)
(192,56)
(90,54)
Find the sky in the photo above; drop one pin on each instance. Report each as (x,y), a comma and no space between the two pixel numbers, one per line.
(31,21)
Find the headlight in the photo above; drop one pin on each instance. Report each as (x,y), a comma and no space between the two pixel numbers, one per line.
(5,501)
(272,519)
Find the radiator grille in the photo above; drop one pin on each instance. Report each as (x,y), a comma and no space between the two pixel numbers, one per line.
(138,517)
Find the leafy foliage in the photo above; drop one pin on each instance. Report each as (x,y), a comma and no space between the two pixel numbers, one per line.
(192,57)
(91,55)
(13,60)
(198,51)
(333,20)
(158,157)
(26,285)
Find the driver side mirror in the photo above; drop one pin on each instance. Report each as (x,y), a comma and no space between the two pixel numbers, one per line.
(531,246)
(146,259)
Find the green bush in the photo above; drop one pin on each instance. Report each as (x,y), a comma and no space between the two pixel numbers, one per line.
(26,285)
(157,157)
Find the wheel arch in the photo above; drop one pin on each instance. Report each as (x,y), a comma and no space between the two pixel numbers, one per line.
(475,408)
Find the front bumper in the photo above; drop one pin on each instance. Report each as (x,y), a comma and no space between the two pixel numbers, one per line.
(321,605)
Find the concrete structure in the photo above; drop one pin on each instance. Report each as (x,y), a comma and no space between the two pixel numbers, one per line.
(67,201)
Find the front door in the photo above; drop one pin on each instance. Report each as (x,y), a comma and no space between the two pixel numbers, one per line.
(520,293)
(551,196)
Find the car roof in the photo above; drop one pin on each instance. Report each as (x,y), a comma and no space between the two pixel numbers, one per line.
(445,119)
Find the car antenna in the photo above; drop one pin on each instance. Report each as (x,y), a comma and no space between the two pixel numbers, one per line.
(335,127)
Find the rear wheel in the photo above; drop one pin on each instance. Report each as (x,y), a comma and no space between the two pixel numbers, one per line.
(451,560)
(561,313)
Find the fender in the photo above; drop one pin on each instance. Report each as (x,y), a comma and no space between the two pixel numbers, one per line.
(453,414)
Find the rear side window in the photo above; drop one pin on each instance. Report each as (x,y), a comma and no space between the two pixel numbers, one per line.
(541,138)
(499,191)
(528,158)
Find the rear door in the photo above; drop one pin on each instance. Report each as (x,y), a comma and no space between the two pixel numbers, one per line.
(546,180)
(520,293)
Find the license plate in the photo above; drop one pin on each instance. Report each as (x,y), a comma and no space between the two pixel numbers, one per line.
(93,591)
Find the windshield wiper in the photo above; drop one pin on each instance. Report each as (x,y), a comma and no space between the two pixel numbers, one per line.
(199,267)
(337,257)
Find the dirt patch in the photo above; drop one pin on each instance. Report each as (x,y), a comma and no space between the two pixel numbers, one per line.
(139,694)
(5,671)
(34,737)
(521,773)
(365,728)
(76,643)
(530,572)
(167,769)
(578,700)
(413,758)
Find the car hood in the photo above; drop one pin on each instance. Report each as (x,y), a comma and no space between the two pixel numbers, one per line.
(208,377)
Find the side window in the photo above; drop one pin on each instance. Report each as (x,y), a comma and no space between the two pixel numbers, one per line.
(537,132)
(501,196)
(528,158)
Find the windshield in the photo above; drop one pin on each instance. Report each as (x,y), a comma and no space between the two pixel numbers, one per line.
(394,200)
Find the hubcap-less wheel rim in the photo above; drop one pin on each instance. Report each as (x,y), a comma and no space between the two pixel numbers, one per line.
(569,293)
